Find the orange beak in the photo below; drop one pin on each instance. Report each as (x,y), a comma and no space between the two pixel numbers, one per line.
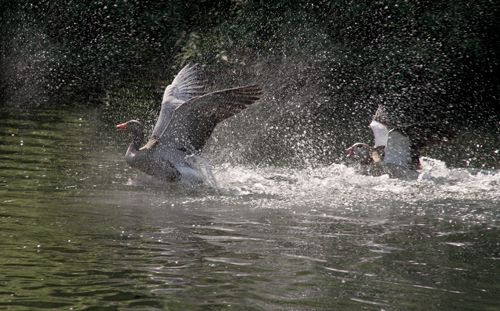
(121,127)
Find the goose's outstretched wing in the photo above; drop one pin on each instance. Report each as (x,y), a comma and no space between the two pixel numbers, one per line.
(380,133)
(193,122)
(423,128)
(186,85)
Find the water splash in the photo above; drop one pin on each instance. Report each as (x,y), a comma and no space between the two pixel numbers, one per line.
(338,184)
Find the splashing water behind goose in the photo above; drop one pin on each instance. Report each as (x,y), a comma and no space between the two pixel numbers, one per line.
(337,183)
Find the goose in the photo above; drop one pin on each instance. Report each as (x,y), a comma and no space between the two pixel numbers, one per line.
(396,145)
(187,118)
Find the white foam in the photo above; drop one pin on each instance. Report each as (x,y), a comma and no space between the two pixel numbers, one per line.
(339,184)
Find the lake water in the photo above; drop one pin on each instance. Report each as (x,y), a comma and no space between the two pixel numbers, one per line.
(80,230)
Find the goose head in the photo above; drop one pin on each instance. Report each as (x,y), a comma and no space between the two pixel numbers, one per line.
(136,131)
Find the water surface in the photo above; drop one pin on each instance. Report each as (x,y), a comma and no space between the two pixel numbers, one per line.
(80,230)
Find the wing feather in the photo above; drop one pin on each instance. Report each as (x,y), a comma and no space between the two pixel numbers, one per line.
(186,84)
(192,122)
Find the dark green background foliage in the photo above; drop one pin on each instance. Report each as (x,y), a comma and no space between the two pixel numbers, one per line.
(325,65)
(77,47)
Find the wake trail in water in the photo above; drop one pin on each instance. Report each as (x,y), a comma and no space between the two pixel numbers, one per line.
(341,184)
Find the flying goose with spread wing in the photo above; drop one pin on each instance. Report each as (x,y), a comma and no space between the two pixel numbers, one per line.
(188,116)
